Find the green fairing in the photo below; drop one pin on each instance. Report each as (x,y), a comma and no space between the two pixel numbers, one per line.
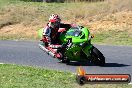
(74,52)
(87,50)
(78,39)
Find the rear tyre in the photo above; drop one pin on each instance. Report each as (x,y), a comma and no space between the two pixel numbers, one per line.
(97,57)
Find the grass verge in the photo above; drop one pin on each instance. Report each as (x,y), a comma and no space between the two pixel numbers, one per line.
(14,76)
(113,37)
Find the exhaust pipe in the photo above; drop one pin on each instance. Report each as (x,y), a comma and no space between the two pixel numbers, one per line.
(43,48)
(52,54)
(46,50)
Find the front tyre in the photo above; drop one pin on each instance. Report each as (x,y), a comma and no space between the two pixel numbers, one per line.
(97,57)
(65,60)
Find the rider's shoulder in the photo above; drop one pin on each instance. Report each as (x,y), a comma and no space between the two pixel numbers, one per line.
(47,26)
(65,25)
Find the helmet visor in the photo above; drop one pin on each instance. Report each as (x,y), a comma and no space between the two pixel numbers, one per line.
(52,24)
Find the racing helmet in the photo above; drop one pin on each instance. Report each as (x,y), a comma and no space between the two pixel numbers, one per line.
(54,20)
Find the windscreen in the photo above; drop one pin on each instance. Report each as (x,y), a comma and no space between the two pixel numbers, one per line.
(74,31)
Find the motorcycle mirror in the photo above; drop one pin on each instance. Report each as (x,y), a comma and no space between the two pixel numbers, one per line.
(92,36)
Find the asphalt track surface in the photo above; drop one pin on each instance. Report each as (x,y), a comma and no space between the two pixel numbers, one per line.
(27,53)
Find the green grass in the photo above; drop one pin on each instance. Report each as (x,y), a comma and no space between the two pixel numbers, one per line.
(14,76)
(113,37)
(18,36)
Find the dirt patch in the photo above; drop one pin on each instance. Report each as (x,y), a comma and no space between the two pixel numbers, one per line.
(18,31)
(121,21)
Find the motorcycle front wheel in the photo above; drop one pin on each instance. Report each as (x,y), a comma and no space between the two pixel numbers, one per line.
(97,57)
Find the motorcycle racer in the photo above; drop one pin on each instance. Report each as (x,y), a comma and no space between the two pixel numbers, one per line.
(73,44)
(50,32)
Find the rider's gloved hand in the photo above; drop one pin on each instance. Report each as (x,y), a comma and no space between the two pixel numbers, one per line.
(67,44)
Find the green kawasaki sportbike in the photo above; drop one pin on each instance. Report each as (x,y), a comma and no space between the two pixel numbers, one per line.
(77,46)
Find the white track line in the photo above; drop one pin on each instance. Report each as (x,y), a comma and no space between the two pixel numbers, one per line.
(130,83)
(1,63)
